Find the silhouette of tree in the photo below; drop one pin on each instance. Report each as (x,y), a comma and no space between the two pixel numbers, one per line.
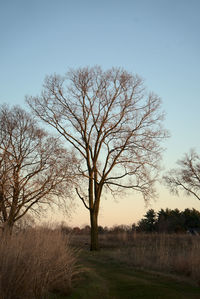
(191,218)
(148,223)
(186,177)
(114,126)
(34,168)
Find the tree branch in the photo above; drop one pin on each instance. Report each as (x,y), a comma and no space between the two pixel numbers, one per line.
(82,199)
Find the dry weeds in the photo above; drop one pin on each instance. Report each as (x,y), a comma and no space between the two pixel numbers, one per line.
(178,254)
(34,263)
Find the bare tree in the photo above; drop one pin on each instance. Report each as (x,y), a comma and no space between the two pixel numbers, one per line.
(186,177)
(113,125)
(34,168)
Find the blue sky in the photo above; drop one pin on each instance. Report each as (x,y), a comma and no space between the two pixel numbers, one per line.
(157,39)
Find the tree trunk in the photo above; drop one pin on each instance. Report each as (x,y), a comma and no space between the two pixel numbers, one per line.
(94,245)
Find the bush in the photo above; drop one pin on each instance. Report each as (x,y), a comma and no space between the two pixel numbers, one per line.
(34,263)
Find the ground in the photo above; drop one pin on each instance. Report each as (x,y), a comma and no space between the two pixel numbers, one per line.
(107,278)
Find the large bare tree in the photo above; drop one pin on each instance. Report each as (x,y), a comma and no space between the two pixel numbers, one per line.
(186,177)
(34,168)
(114,126)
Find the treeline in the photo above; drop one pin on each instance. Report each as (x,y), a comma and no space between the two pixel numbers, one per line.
(163,221)
(170,221)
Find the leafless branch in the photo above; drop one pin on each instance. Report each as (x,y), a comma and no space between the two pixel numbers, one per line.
(82,199)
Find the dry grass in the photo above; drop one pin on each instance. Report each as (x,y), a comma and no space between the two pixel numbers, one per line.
(178,254)
(34,263)
(168,253)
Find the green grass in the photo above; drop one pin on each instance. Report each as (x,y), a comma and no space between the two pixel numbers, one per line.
(106,278)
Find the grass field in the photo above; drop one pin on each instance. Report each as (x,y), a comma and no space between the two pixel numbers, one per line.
(107,278)
(127,266)
(167,253)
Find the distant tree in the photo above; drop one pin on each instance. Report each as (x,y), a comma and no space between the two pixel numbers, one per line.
(147,224)
(120,228)
(86,229)
(76,230)
(191,218)
(162,222)
(100,229)
(114,126)
(133,227)
(105,229)
(34,168)
(186,177)
(176,221)
(151,219)
(170,221)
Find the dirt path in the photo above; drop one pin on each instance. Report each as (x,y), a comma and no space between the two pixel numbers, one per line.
(108,279)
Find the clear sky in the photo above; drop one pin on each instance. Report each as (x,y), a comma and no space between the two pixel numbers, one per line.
(157,39)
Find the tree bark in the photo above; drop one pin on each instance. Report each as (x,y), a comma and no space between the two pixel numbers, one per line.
(94,245)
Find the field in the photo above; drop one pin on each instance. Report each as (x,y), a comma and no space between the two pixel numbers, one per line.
(140,266)
(127,266)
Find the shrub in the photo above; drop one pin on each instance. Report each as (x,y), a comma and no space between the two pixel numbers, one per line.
(34,263)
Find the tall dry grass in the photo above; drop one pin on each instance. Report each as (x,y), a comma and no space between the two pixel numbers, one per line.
(34,263)
(178,254)
(168,253)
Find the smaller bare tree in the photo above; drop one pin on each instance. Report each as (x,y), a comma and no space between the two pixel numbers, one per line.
(186,177)
(34,168)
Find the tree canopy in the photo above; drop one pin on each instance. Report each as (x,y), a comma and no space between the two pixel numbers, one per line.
(169,221)
(34,167)
(186,176)
(112,123)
